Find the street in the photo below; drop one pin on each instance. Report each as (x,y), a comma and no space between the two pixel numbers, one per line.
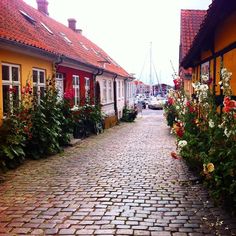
(122,182)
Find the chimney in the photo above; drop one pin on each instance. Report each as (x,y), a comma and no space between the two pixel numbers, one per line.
(43,6)
(72,24)
(79,31)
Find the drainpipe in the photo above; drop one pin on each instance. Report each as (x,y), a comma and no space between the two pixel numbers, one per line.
(59,60)
(56,64)
(98,73)
(115,96)
(125,89)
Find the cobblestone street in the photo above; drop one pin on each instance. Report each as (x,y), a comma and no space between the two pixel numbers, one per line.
(122,182)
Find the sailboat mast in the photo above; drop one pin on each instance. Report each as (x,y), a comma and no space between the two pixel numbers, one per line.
(150,75)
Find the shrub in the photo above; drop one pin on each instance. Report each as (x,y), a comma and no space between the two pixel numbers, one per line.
(129,115)
(208,135)
(88,119)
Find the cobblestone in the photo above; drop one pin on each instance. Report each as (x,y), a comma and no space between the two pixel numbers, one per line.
(122,182)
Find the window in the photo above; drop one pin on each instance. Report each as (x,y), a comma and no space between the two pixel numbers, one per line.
(76,89)
(87,89)
(10,82)
(104,92)
(119,89)
(46,27)
(66,38)
(123,87)
(60,85)
(82,44)
(39,83)
(110,97)
(28,17)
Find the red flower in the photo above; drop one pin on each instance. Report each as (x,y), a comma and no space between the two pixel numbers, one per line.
(174,155)
(190,107)
(178,82)
(170,101)
(180,133)
(12,90)
(229,104)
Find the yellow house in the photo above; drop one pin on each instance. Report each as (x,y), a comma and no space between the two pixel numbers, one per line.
(214,46)
(190,23)
(19,65)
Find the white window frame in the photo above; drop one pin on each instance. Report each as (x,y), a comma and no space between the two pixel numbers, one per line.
(60,86)
(122,89)
(76,89)
(10,82)
(104,91)
(38,84)
(87,88)
(110,89)
(119,89)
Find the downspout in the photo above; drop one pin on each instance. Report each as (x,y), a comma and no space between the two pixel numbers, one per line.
(126,86)
(59,60)
(115,96)
(55,68)
(98,73)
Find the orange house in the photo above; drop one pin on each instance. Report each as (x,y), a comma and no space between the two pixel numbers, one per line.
(214,46)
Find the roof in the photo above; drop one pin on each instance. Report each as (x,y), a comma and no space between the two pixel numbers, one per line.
(24,24)
(217,12)
(190,25)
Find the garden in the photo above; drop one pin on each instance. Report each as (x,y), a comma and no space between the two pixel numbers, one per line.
(206,134)
(33,129)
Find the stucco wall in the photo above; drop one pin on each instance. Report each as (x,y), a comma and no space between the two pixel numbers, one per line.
(26,63)
(225,34)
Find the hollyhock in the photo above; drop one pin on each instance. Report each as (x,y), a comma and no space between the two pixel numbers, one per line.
(229,105)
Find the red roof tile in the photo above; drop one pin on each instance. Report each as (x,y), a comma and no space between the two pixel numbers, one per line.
(216,13)
(190,24)
(61,40)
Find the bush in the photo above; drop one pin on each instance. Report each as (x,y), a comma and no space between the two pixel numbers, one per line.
(206,137)
(129,115)
(88,120)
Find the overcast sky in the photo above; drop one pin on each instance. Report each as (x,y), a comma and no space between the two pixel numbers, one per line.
(125,28)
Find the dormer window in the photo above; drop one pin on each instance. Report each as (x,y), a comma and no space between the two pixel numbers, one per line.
(83,46)
(94,51)
(66,38)
(28,17)
(45,27)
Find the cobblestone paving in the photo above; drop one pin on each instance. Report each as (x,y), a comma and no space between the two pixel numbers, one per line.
(123,182)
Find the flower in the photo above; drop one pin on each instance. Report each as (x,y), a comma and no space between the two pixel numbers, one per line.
(211,123)
(229,105)
(177,82)
(170,101)
(210,167)
(227,132)
(182,143)
(174,155)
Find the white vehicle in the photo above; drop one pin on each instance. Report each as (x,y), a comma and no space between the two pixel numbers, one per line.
(157,103)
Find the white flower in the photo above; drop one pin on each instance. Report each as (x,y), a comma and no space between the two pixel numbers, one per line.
(211,123)
(75,108)
(182,143)
(204,87)
(221,125)
(220,83)
(227,132)
(204,78)
(177,107)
